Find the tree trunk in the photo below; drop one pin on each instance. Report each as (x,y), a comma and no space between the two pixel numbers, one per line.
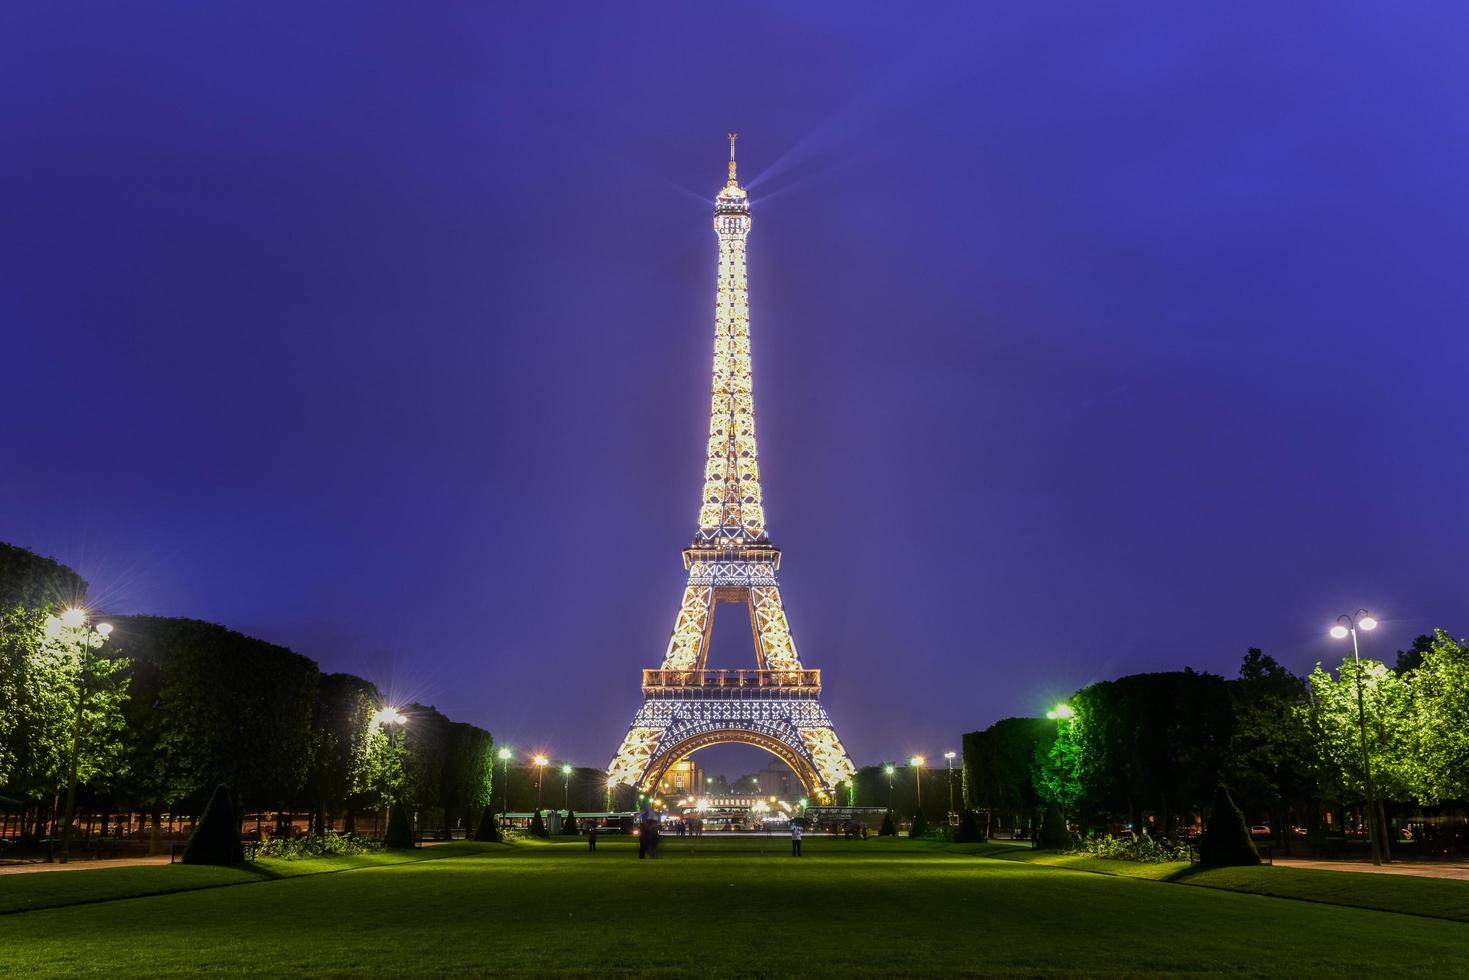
(155,842)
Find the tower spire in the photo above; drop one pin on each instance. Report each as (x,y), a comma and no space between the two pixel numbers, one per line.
(732,181)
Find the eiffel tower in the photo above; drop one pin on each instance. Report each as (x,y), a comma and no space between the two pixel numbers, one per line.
(777,705)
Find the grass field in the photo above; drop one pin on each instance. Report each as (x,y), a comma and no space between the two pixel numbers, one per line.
(714,906)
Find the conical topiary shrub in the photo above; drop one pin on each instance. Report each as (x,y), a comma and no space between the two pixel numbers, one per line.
(568,826)
(489,827)
(919,827)
(538,826)
(400,831)
(888,828)
(1226,841)
(216,840)
(968,832)
(1054,835)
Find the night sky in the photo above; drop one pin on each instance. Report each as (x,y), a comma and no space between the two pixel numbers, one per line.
(1089,341)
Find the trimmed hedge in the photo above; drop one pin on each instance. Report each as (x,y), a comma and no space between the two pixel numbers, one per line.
(400,830)
(216,840)
(1226,841)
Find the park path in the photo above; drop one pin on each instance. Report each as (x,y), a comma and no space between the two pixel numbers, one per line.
(1457,870)
(32,867)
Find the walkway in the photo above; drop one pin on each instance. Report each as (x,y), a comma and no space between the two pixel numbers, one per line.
(84,864)
(1418,869)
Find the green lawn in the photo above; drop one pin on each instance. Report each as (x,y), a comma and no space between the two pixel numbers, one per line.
(1437,897)
(716,907)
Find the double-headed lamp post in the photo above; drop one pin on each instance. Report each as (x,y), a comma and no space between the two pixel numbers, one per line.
(917,763)
(71,628)
(949,757)
(1348,626)
(540,761)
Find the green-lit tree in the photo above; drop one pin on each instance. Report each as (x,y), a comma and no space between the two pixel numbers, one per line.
(1332,716)
(1439,759)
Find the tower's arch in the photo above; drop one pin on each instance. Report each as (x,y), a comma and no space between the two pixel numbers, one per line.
(682,749)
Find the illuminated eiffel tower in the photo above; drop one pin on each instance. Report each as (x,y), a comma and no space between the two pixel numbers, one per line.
(776,706)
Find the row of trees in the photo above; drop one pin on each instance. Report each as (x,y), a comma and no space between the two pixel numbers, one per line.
(175,707)
(1155,746)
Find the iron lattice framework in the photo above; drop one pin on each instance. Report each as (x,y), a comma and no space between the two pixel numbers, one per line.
(777,706)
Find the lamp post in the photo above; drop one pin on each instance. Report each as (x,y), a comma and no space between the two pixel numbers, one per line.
(890,769)
(504,783)
(540,761)
(72,625)
(1348,626)
(949,756)
(566,787)
(917,763)
(852,791)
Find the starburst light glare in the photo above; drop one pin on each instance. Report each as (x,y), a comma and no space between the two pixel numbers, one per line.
(73,618)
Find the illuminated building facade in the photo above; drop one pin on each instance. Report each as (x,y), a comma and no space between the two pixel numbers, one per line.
(776,706)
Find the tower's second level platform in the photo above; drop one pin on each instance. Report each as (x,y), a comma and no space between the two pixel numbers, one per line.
(731,684)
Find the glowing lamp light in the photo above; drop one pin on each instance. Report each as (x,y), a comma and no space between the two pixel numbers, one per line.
(889,770)
(505,755)
(1340,632)
(917,760)
(389,716)
(105,629)
(1367,622)
(73,618)
(1061,712)
(950,755)
(540,760)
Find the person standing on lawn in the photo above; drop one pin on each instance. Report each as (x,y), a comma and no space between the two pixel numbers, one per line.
(795,838)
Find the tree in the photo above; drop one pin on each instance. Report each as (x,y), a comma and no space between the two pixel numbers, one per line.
(399,835)
(969,831)
(489,826)
(538,826)
(216,838)
(1410,659)
(998,768)
(1226,841)
(919,827)
(888,828)
(1054,835)
(1270,762)
(1439,761)
(1331,716)
(342,742)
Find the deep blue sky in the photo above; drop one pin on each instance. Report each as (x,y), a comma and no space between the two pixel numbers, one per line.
(1087,341)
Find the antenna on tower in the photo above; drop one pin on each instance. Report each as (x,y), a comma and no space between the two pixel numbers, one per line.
(732,137)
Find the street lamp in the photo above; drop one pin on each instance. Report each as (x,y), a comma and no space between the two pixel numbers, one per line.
(1348,626)
(1061,712)
(566,787)
(890,769)
(504,782)
(917,763)
(540,761)
(950,757)
(72,629)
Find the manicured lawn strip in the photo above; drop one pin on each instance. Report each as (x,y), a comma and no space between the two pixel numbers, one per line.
(277,868)
(44,890)
(49,889)
(1441,898)
(721,907)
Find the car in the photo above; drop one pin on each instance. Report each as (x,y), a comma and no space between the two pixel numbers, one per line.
(1260,830)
